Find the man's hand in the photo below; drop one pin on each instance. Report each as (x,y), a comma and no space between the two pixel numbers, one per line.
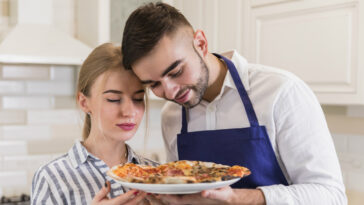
(225,195)
(129,198)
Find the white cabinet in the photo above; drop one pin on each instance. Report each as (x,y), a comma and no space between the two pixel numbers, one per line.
(321,41)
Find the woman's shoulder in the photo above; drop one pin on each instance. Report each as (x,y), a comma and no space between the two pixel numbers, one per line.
(48,170)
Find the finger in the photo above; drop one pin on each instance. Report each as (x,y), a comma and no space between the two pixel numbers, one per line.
(138,198)
(215,193)
(123,198)
(103,192)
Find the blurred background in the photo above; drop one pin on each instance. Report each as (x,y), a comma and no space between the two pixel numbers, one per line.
(44,42)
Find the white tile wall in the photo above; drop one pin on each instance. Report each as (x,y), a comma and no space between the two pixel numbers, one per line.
(26,132)
(26,72)
(50,88)
(13,178)
(9,148)
(49,117)
(27,102)
(12,87)
(12,117)
(62,73)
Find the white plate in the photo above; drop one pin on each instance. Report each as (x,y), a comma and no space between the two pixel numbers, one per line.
(177,188)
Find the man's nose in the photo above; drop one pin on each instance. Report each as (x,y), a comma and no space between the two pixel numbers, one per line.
(170,90)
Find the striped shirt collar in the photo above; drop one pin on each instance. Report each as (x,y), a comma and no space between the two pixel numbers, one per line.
(78,155)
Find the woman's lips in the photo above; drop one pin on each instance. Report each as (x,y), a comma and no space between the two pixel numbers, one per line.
(126,126)
(184,98)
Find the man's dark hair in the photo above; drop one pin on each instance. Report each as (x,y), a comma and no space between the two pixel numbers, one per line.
(146,26)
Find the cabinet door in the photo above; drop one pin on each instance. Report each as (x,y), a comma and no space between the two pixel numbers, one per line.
(318,40)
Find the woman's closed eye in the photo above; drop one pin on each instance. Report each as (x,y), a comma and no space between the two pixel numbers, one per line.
(113,100)
(138,100)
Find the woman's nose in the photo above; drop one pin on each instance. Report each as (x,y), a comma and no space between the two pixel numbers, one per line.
(127,108)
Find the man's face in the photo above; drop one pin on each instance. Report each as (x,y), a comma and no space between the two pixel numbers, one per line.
(174,70)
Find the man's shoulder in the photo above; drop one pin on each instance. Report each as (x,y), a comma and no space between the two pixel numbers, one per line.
(171,112)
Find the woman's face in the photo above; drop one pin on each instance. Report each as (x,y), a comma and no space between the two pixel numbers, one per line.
(116,105)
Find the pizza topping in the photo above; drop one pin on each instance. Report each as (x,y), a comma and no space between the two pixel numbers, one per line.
(178,172)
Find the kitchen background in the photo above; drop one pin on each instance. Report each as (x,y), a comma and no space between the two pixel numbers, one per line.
(43,43)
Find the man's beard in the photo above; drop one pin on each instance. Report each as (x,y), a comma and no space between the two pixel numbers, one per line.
(200,88)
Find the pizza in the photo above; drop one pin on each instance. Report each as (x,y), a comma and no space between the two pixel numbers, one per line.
(178,172)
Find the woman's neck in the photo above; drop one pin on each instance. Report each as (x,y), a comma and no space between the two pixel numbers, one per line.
(110,151)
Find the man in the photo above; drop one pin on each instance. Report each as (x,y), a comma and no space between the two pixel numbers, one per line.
(227,111)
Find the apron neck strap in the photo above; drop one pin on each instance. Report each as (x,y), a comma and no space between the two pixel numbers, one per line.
(242,92)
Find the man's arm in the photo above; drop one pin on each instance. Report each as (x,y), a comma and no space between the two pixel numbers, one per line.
(307,151)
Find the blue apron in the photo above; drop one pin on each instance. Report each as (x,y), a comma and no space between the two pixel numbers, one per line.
(249,147)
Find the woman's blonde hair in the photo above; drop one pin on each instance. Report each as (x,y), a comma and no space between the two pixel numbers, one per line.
(103,58)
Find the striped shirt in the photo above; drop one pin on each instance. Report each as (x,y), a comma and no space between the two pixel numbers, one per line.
(76,177)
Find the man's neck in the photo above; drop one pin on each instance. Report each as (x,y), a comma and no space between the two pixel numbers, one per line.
(217,73)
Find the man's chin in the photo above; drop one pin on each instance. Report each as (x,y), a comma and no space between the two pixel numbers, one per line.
(191,103)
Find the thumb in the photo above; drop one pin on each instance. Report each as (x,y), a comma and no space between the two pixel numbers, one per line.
(219,194)
(103,192)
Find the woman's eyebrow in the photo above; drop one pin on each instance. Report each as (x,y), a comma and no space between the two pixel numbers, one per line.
(112,91)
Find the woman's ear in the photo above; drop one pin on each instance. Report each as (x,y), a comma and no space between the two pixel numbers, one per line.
(200,42)
(83,102)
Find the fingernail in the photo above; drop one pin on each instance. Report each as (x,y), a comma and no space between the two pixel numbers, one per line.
(135,193)
(106,184)
(149,194)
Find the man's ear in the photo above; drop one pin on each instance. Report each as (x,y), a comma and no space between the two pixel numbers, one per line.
(200,42)
(83,102)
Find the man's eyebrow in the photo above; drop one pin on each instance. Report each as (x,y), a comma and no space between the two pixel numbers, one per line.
(140,91)
(171,67)
(113,91)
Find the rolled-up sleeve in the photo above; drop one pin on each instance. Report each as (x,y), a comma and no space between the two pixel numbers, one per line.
(306,148)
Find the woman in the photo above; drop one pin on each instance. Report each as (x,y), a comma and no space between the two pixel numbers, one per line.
(113,100)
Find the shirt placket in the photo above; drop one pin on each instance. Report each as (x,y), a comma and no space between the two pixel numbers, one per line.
(211,116)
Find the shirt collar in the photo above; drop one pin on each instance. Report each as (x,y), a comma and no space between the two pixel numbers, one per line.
(241,66)
(78,155)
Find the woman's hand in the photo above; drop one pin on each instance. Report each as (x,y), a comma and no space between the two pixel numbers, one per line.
(129,198)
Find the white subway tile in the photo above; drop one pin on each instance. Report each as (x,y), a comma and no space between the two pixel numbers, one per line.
(12,117)
(29,162)
(63,73)
(53,146)
(50,88)
(65,102)
(27,102)
(26,72)
(8,148)
(341,143)
(73,131)
(356,145)
(29,132)
(355,181)
(13,179)
(11,87)
(64,116)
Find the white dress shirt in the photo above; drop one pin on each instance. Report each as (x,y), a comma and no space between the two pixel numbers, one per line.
(295,123)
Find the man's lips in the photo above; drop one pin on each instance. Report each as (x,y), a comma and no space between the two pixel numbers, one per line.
(183,98)
(126,126)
